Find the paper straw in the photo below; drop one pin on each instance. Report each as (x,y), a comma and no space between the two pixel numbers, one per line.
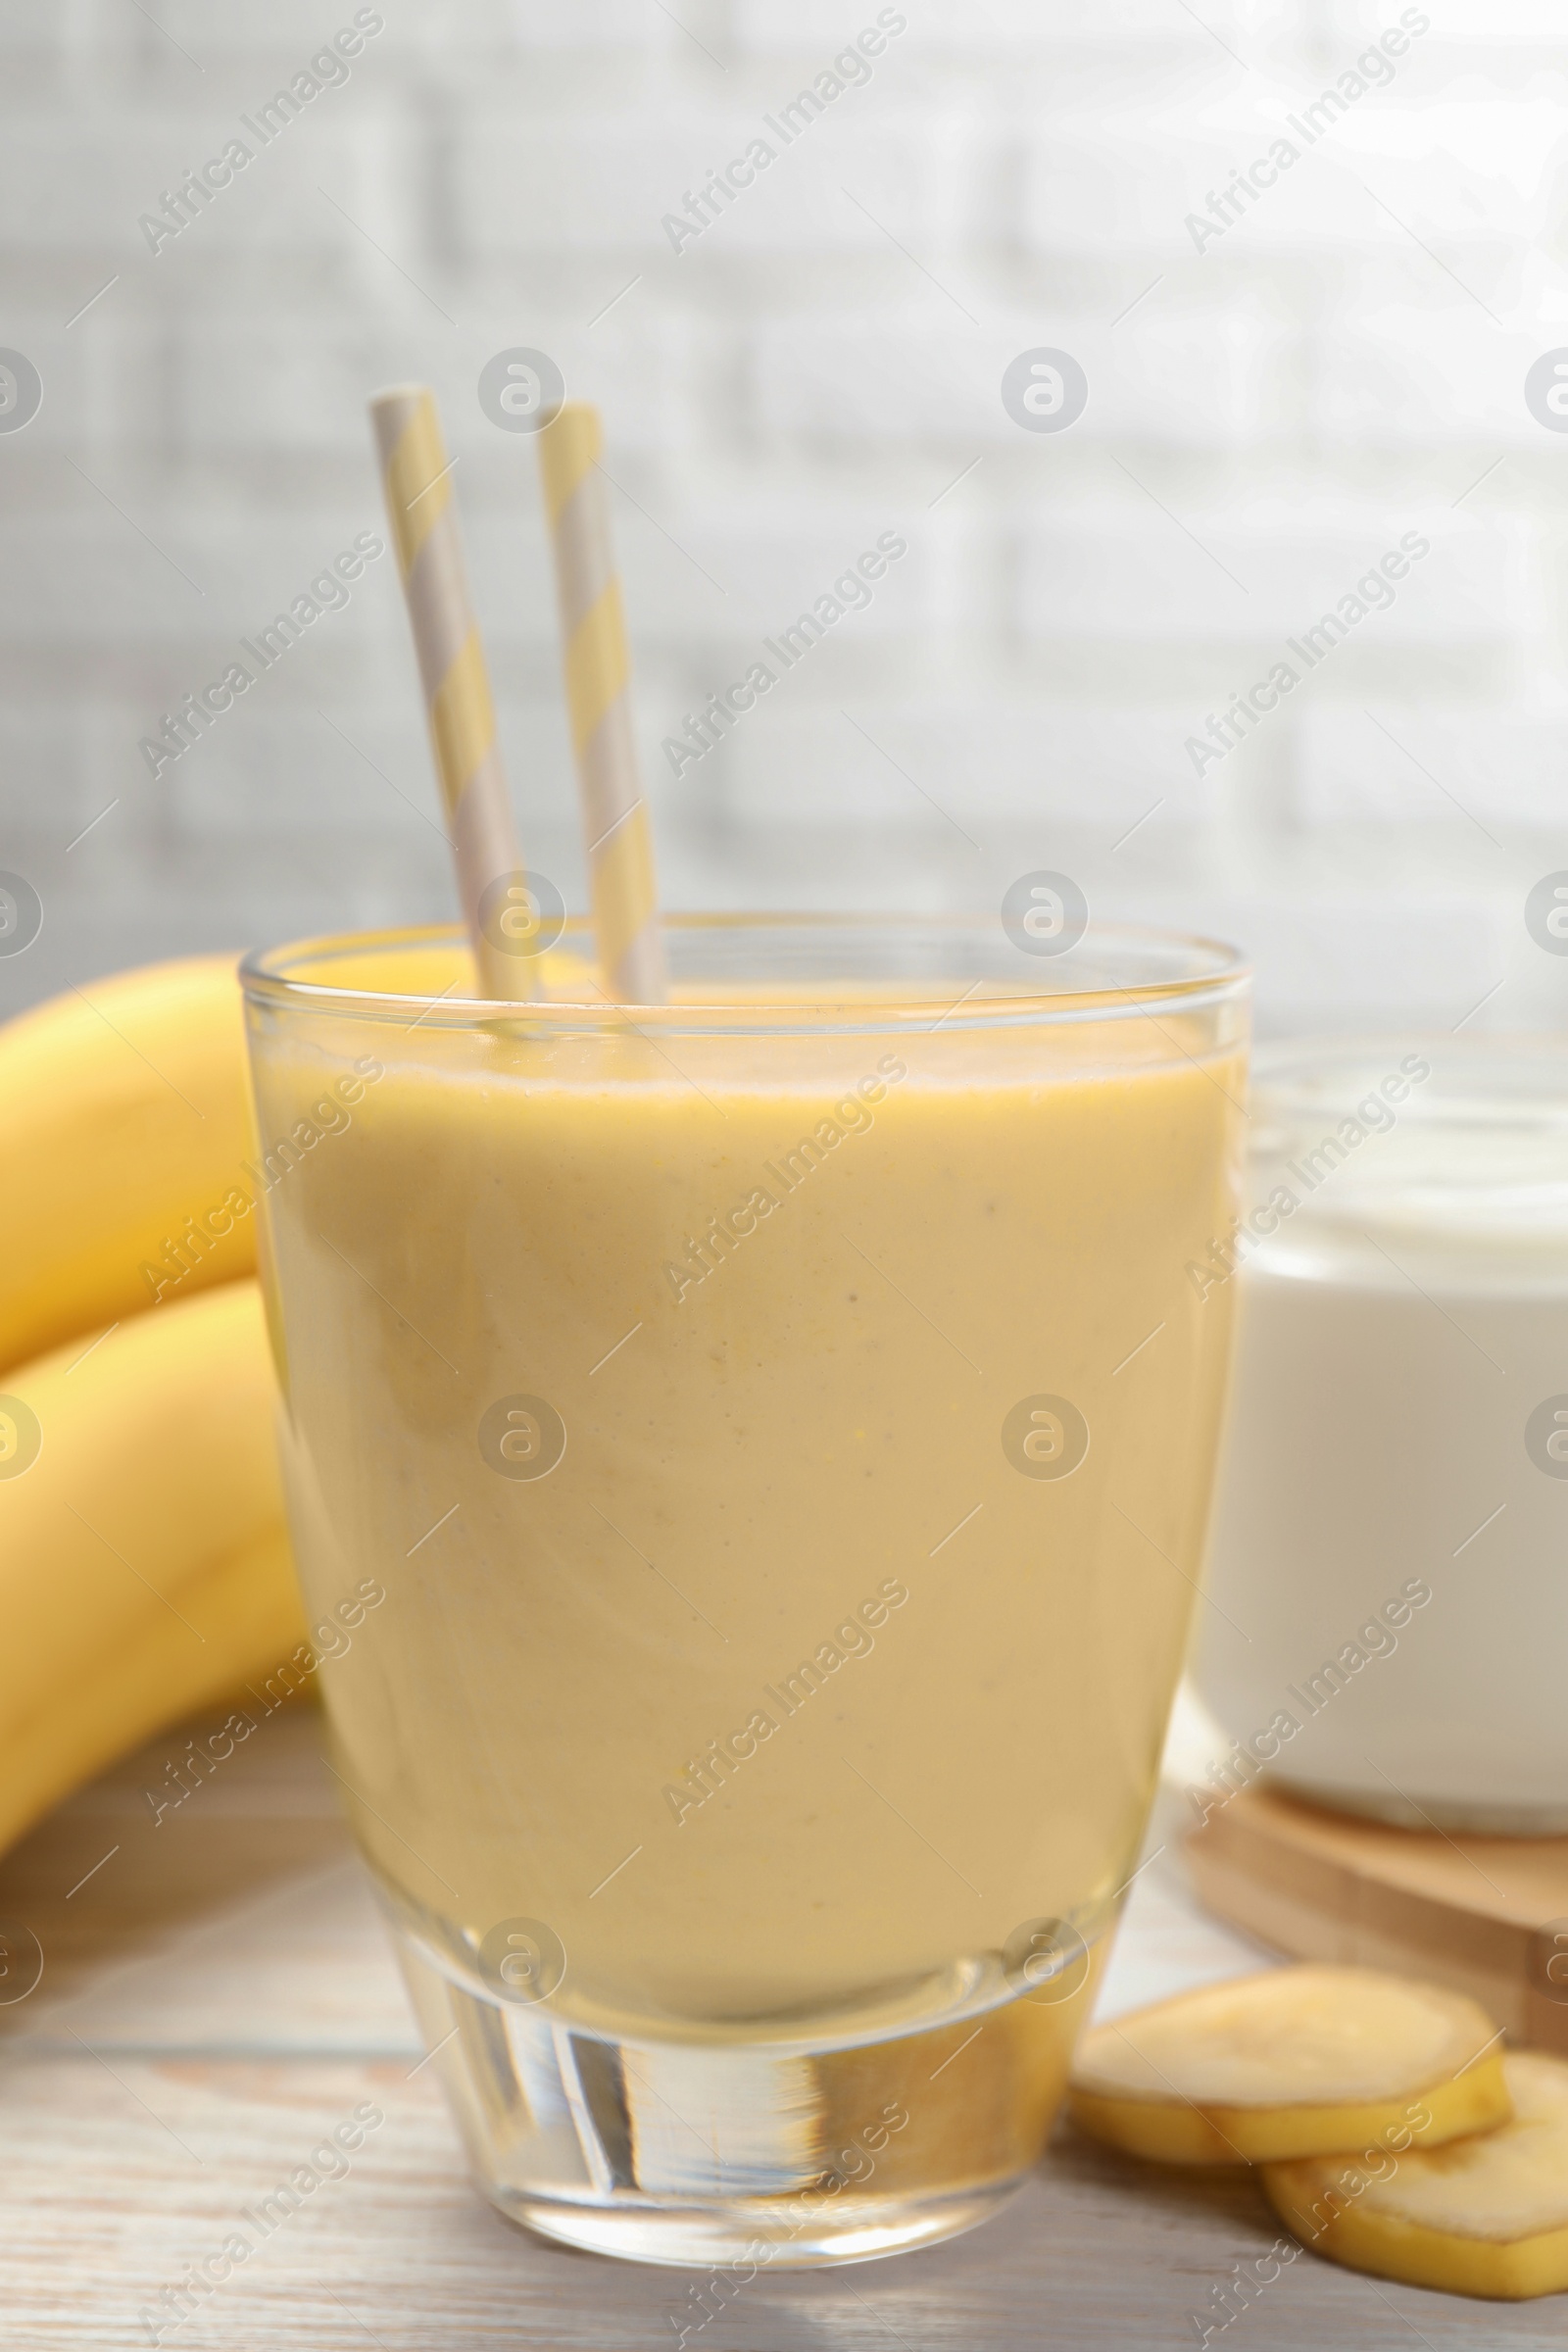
(598,667)
(417,483)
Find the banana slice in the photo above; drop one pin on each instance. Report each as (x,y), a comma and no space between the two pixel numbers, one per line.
(1291,2062)
(1482,2217)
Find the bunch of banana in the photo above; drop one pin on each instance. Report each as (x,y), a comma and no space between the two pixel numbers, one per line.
(145,1561)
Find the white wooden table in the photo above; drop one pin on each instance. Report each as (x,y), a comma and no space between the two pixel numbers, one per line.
(217,1995)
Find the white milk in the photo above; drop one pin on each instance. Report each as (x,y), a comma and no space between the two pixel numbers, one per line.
(1388,1621)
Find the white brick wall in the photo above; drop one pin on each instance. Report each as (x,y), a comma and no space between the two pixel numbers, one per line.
(951,765)
(1213,578)
(1213,377)
(1461,22)
(1437,771)
(1397,372)
(991,28)
(1343,365)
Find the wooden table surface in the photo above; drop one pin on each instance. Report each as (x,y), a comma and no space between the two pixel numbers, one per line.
(217,1994)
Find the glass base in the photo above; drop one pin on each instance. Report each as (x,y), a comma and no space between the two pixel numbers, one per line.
(822,2142)
(749,2236)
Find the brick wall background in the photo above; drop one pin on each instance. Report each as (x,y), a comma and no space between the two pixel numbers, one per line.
(1343,365)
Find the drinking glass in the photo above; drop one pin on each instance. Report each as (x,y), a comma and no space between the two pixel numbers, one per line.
(1391,1628)
(779,1425)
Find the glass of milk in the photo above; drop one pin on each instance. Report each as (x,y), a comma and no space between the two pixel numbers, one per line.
(1387,1620)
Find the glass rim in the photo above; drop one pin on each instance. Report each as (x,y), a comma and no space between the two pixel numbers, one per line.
(1212,972)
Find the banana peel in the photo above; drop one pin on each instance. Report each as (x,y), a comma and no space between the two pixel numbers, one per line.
(145,1569)
(127,1127)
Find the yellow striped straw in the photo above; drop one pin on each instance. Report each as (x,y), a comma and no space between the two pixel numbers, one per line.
(417,482)
(598,667)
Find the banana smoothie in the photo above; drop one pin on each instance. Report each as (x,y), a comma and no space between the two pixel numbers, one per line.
(784,1436)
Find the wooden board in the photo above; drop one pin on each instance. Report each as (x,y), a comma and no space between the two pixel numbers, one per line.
(1487,1915)
(218,1994)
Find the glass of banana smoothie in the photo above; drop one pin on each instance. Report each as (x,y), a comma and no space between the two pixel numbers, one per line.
(783,1429)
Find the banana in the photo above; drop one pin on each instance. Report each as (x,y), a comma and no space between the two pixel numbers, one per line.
(125,1129)
(145,1569)
(1487,2216)
(1290,2061)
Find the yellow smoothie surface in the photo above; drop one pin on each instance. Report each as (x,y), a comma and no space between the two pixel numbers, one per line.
(749,1622)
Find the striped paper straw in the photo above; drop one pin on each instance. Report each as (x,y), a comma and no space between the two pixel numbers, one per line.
(417,482)
(598,667)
